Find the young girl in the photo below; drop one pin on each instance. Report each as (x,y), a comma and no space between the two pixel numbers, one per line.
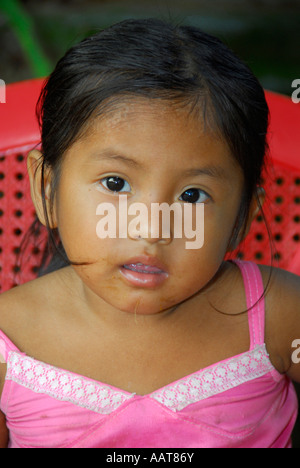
(136,340)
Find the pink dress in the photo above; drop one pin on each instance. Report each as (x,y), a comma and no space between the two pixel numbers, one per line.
(240,402)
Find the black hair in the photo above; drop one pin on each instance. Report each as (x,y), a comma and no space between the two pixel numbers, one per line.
(153,59)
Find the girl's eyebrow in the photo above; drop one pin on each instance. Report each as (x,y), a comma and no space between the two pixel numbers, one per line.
(109,155)
(213,171)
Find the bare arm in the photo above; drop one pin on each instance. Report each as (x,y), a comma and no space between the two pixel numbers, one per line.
(283,323)
(3,431)
(4,435)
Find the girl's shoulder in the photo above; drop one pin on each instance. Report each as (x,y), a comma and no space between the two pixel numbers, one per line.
(27,308)
(282,320)
(279,282)
(30,317)
(282,291)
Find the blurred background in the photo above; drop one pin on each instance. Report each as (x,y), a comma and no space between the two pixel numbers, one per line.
(34,34)
(265,33)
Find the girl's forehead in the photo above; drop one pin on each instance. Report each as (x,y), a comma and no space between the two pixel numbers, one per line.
(155,112)
(145,127)
(153,130)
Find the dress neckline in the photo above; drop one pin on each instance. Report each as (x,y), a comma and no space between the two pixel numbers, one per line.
(104,398)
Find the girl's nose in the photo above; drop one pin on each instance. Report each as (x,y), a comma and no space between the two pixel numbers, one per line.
(150,225)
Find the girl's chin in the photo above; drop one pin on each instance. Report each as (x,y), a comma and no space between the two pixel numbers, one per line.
(143,306)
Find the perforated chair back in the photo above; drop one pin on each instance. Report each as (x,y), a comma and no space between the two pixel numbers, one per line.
(19,133)
(282,186)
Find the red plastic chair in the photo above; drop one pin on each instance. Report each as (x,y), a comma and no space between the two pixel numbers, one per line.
(282,185)
(19,133)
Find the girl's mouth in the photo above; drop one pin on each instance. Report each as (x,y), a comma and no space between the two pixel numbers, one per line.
(141,268)
(144,274)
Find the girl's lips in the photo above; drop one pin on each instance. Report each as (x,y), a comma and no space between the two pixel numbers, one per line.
(144,272)
(141,268)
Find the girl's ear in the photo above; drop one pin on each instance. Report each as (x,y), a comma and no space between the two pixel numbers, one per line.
(34,168)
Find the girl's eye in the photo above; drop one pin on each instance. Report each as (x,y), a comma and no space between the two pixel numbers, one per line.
(115,184)
(193,195)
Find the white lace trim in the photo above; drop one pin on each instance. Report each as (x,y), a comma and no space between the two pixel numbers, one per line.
(215,379)
(63,385)
(104,399)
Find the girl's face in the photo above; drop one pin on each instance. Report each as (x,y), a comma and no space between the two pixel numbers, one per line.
(152,152)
